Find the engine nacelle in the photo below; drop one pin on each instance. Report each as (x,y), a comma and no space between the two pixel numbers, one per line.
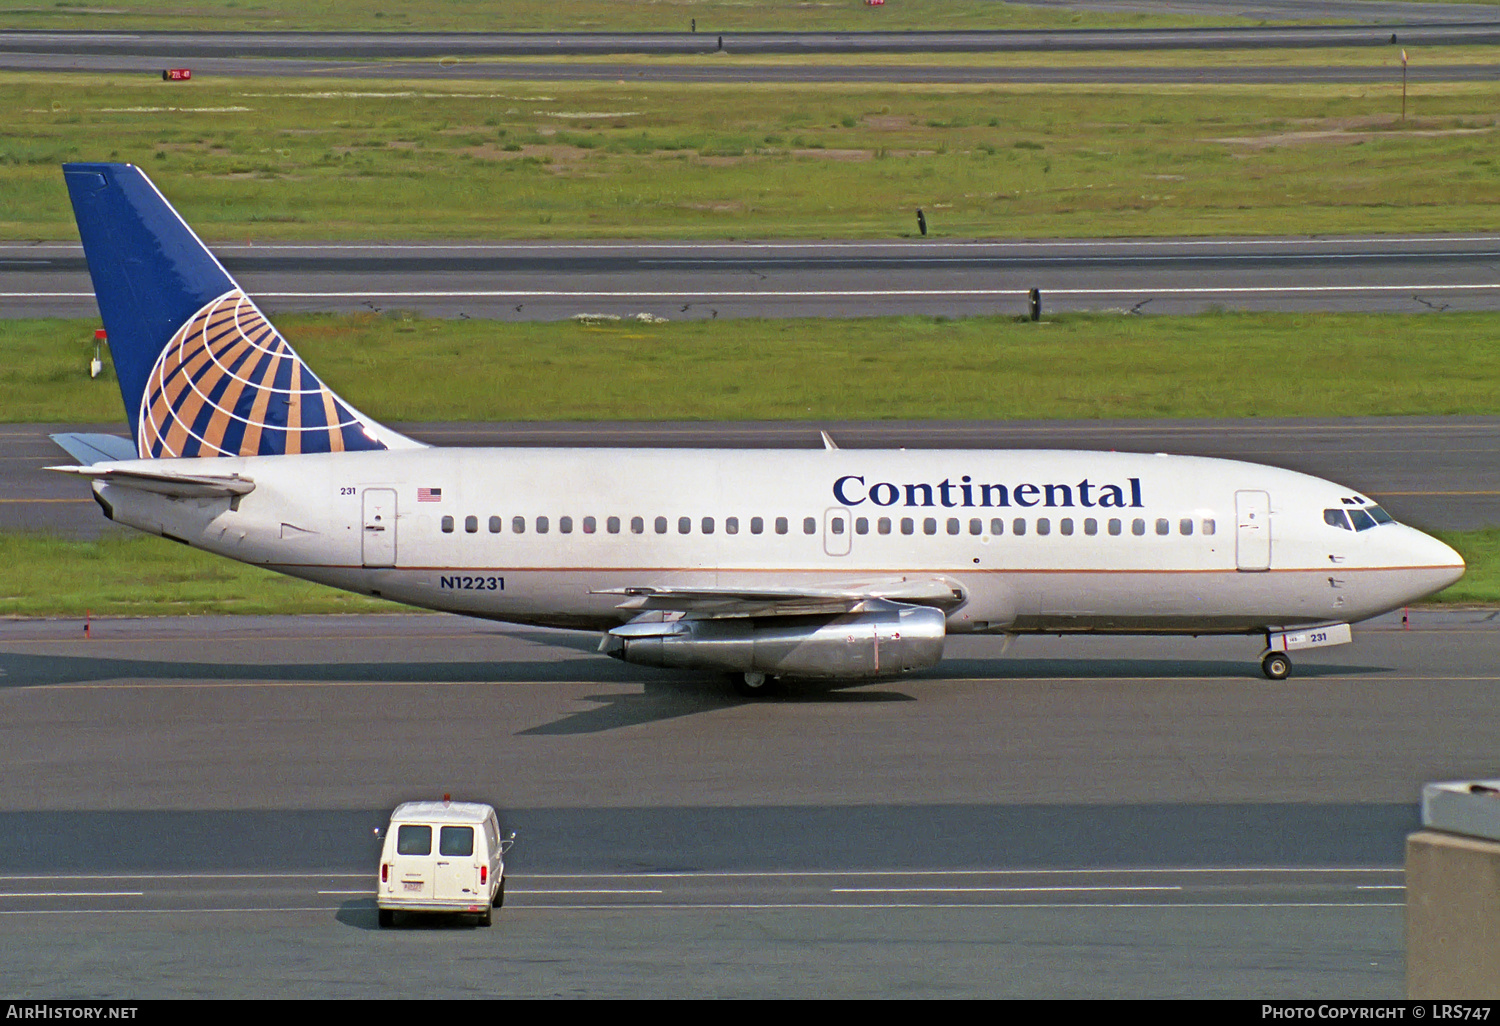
(880,642)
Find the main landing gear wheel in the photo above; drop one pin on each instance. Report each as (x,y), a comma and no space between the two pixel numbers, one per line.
(1276,666)
(753,684)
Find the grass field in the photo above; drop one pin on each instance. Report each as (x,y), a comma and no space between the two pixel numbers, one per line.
(138,575)
(401,367)
(570,16)
(293,159)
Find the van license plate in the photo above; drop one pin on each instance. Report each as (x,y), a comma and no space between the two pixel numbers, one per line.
(412,885)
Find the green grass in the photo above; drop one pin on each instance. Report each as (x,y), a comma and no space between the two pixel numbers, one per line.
(402,368)
(548,15)
(298,159)
(139,575)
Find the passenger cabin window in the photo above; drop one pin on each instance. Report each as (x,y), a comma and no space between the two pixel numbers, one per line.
(412,839)
(518,525)
(731,525)
(612,525)
(1185,525)
(929,525)
(861,525)
(997,526)
(908,525)
(1065,525)
(1043,525)
(976,526)
(471,525)
(542,525)
(447,525)
(954,526)
(781,525)
(1138,527)
(1090,526)
(661,525)
(809,525)
(1208,527)
(757,525)
(684,525)
(1114,526)
(836,525)
(883,525)
(590,525)
(637,525)
(565,525)
(708,525)
(496,525)
(1163,525)
(456,840)
(1018,526)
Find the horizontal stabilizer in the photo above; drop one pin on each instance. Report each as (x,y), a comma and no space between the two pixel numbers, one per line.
(731,601)
(89,449)
(178,486)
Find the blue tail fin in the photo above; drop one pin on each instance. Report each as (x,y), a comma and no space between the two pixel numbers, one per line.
(202,372)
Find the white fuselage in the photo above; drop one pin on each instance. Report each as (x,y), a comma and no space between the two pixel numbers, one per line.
(1029,540)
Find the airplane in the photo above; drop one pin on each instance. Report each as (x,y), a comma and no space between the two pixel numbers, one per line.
(830,563)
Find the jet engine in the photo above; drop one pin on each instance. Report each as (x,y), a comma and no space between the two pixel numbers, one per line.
(882,639)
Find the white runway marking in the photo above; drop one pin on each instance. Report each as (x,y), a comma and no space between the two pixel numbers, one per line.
(1267,290)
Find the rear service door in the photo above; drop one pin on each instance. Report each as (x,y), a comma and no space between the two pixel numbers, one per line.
(457,877)
(379,535)
(411,868)
(1252,541)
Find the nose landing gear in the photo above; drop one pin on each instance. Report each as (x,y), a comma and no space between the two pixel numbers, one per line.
(1275,665)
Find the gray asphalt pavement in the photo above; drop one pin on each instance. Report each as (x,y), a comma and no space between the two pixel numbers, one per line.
(698,280)
(471,69)
(1438,473)
(1083,817)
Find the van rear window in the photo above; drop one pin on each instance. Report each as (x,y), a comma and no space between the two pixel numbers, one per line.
(456,840)
(413,840)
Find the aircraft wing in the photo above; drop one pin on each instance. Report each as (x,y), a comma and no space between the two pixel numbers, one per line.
(712,602)
(165,482)
(87,449)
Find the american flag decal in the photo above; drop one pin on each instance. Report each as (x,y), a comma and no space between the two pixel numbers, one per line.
(429,495)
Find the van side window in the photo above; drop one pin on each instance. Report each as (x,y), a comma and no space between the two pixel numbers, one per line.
(412,839)
(456,840)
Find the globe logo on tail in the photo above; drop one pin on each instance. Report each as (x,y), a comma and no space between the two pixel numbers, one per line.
(227,384)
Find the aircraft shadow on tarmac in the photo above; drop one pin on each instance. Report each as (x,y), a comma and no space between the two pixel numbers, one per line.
(663,694)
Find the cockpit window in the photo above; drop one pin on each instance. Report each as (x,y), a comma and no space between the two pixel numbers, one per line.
(1336,518)
(1380,515)
(1357,519)
(1362,521)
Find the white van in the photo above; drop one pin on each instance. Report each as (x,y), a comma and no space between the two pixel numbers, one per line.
(442,857)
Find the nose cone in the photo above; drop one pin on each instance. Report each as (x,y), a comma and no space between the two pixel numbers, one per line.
(1436,564)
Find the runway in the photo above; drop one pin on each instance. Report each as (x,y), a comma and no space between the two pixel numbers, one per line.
(1436,473)
(1083,817)
(698,280)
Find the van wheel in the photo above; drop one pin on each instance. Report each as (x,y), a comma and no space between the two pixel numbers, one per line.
(499,894)
(387,918)
(484,918)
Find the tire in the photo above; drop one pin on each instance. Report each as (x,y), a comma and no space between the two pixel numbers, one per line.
(499,894)
(1276,666)
(754,685)
(484,918)
(387,918)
